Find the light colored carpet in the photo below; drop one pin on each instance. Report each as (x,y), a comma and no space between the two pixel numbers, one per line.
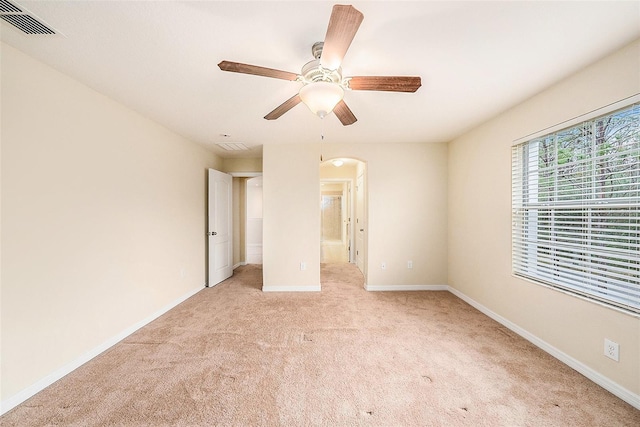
(233,355)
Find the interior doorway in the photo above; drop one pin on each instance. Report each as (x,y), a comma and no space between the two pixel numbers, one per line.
(335,222)
(253,235)
(342,212)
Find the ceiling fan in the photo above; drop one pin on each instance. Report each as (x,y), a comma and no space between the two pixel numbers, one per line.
(323,83)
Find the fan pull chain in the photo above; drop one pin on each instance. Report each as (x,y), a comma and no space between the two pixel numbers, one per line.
(321,135)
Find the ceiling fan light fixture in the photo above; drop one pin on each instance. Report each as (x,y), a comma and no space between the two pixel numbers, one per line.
(323,85)
(321,97)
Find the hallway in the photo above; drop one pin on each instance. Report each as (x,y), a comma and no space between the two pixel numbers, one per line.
(333,251)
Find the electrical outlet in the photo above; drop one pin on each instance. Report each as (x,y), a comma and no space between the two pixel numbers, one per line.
(303,266)
(383,266)
(612,350)
(409,264)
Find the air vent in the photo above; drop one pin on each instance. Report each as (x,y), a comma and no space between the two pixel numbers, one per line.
(6,7)
(233,146)
(27,24)
(21,20)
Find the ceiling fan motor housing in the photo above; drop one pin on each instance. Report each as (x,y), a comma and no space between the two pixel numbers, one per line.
(313,71)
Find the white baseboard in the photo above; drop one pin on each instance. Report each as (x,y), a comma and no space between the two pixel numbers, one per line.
(13,401)
(304,288)
(604,382)
(240,264)
(406,287)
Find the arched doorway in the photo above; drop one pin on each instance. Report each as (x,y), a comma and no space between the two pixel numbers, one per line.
(342,211)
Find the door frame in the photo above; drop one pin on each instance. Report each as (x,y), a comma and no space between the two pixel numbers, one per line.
(365,220)
(241,229)
(361,169)
(245,220)
(350,196)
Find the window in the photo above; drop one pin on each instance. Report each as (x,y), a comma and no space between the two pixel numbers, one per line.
(576,209)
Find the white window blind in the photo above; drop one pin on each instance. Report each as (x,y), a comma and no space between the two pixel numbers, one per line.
(576,209)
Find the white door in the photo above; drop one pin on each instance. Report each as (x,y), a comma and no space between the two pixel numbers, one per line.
(360,223)
(220,227)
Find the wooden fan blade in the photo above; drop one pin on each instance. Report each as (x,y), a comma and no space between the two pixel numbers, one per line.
(344,114)
(388,83)
(237,67)
(343,25)
(284,107)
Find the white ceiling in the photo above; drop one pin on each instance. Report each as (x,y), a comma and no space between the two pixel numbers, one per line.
(475,58)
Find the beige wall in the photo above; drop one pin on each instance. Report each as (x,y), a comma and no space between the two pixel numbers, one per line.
(407,212)
(103,219)
(480,224)
(291,217)
(249,165)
